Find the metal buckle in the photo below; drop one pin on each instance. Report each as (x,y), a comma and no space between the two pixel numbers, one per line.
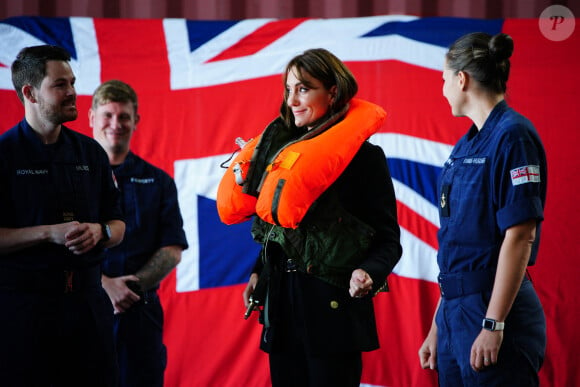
(291,266)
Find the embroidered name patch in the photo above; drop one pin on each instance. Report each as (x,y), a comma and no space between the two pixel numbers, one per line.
(142,181)
(527,174)
(20,172)
(474,160)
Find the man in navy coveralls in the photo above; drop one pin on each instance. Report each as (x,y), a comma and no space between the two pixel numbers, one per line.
(59,209)
(153,242)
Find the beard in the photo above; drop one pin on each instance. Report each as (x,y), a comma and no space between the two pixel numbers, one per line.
(58,114)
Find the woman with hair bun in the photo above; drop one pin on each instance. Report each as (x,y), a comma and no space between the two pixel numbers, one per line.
(489,328)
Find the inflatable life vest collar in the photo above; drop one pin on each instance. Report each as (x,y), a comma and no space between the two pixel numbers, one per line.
(303,170)
(300,172)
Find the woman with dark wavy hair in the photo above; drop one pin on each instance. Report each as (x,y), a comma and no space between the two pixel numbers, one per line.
(326,216)
(489,328)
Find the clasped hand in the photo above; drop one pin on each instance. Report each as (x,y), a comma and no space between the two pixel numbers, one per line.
(78,237)
(361,283)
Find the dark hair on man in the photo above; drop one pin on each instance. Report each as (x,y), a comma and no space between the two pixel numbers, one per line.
(114,91)
(29,68)
(484,57)
(329,70)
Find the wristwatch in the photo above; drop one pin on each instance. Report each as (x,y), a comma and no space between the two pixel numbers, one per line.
(106,232)
(492,325)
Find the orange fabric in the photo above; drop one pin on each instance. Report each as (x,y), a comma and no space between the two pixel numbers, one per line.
(308,168)
(233,205)
(316,163)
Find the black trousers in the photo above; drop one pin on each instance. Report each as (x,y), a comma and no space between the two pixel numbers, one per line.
(291,363)
(293,368)
(139,337)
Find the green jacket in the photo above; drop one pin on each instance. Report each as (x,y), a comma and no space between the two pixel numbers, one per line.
(329,244)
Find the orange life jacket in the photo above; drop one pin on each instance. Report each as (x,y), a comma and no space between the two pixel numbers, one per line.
(300,172)
(233,205)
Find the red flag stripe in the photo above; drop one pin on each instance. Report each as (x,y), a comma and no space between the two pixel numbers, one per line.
(262,37)
(417,225)
(143,40)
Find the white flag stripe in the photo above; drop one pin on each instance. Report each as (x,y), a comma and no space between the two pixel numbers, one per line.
(416,202)
(227,39)
(193,178)
(419,260)
(86,66)
(401,146)
(341,36)
(186,66)
(13,40)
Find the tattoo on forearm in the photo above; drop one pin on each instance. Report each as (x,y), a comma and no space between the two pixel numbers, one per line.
(157,268)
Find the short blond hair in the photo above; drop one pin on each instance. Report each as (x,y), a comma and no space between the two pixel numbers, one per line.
(114,91)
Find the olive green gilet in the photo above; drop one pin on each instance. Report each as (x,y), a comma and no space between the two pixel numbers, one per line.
(329,244)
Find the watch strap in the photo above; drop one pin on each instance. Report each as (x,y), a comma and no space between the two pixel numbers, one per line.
(106,231)
(492,325)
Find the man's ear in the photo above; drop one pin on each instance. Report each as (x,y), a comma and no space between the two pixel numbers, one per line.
(28,93)
(91,115)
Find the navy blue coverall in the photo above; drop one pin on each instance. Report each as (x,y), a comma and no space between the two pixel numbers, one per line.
(494,179)
(56,326)
(153,220)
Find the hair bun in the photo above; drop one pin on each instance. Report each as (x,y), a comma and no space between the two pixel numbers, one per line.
(501,47)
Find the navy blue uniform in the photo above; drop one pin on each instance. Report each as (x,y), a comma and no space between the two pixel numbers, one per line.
(494,179)
(153,220)
(62,330)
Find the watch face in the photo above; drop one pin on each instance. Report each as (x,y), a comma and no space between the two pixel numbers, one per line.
(489,324)
(106,231)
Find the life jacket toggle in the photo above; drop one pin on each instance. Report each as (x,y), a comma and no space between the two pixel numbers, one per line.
(240,172)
